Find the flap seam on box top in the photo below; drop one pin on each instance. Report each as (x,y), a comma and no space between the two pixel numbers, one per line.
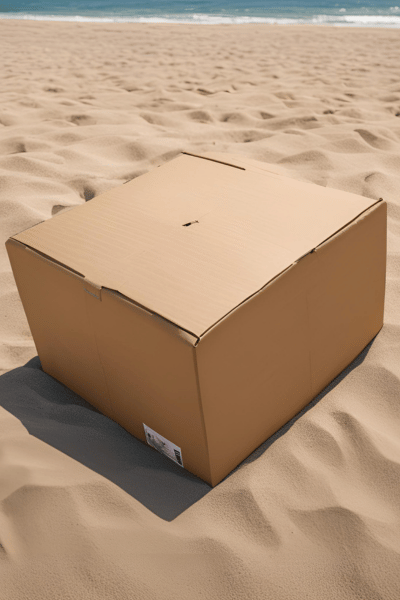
(221,162)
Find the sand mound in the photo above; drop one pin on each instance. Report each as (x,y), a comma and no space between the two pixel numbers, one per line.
(86,510)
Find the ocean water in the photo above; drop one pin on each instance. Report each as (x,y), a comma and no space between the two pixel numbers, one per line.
(366,13)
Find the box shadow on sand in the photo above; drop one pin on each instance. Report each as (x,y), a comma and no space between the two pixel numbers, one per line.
(59,417)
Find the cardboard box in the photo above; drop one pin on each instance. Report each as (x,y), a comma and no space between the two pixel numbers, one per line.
(205,303)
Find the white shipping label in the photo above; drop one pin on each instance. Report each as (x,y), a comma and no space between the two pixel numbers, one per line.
(163,445)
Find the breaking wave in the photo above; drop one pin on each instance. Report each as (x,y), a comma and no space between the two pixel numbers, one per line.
(391,20)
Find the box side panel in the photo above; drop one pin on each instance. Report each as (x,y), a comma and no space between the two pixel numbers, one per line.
(58,313)
(254,370)
(346,300)
(151,375)
(262,364)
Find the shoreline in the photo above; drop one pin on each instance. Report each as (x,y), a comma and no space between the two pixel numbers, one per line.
(357,22)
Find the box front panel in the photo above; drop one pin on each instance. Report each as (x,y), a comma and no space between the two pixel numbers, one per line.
(58,313)
(263,363)
(133,366)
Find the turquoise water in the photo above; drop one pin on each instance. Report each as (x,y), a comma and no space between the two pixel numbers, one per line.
(342,13)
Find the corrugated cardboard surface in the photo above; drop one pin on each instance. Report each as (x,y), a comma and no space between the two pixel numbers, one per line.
(252,224)
(265,361)
(248,354)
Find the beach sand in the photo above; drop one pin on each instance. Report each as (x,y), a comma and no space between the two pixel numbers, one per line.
(88,512)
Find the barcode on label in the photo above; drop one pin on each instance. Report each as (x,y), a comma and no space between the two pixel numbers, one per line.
(178,456)
(163,445)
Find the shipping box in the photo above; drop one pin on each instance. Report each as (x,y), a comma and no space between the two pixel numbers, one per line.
(205,303)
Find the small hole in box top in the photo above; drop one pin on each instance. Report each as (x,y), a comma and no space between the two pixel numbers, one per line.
(190,223)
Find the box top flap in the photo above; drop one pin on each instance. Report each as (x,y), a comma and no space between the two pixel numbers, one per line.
(194,238)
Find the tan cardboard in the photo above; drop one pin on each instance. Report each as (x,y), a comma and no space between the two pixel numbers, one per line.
(205,302)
